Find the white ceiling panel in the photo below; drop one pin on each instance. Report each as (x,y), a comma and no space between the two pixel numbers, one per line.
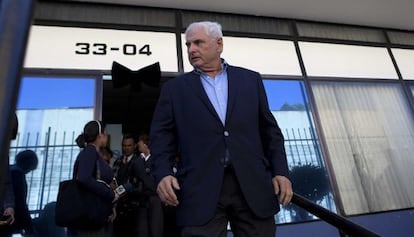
(397,14)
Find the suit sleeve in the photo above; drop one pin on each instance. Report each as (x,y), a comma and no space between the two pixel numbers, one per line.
(87,160)
(163,135)
(271,135)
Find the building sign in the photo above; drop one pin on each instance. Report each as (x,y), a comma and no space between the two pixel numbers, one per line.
(96,49)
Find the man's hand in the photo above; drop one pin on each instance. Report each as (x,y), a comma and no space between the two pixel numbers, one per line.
(116,197)
(283,188)
(112,217)
(9,212)
(166,190)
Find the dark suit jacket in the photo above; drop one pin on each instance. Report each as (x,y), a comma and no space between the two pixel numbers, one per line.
(186,121)
(149,187)
(132,176)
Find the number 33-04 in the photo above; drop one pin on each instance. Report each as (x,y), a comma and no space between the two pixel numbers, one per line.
(102,49)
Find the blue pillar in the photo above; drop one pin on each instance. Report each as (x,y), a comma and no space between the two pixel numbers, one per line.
(15,21)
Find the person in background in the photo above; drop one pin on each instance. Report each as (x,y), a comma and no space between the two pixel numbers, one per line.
(45,224)
(232,162)
(87,163)
(129,173)
(25,162)
(170,227)
(151,221)
(107,155)
(7,208)
(7,201)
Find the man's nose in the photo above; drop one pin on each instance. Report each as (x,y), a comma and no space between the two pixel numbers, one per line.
(190,48)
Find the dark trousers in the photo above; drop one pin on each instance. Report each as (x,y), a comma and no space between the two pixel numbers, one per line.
(151,220)
(170,228)
(5,231)
(105,231)
(126,224)
(233,208)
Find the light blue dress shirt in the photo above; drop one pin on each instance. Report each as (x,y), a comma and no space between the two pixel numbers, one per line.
(217,90)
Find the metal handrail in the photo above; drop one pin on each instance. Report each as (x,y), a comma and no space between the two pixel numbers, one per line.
(334,219)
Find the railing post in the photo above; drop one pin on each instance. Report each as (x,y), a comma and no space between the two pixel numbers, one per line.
(44,172)
(15,21)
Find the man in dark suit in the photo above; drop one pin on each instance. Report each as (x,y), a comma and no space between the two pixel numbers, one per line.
(129,172)
(232,161)
(151,220)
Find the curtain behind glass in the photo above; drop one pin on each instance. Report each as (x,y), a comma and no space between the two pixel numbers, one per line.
(288,103)
(370,135)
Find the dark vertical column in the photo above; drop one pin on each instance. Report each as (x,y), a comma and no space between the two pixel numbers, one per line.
(15,21)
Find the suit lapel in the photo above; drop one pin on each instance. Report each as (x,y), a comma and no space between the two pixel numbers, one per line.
(194,81)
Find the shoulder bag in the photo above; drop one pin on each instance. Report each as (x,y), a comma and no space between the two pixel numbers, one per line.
(79,207)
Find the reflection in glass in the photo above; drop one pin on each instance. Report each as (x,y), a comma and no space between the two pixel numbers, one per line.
(51,113)
(288,103)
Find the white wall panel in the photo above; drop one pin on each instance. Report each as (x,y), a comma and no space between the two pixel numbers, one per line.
(405,62)
(266,56)
(325,60)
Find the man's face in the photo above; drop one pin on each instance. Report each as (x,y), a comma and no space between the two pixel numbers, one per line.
(128,146)
(141,146)
(203,51)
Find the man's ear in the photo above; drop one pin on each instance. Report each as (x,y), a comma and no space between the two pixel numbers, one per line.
(220,44)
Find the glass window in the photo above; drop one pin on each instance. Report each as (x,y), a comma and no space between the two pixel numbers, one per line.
(51,114)
(412,89)
(341,32)
(288,103)
(336,60)
(104,14)
(369,132)
(404,59)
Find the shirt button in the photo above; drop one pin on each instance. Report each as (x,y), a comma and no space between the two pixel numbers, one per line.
(226,134)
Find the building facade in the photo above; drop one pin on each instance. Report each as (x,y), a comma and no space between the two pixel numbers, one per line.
(342,94)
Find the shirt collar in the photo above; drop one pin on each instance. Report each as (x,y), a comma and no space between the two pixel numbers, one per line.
(224,66)
(145,157)
(129,157)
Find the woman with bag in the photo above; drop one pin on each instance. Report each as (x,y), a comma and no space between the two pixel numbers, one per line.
(94,174)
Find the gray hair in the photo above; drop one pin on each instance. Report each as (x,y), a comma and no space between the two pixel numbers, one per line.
(212,29)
